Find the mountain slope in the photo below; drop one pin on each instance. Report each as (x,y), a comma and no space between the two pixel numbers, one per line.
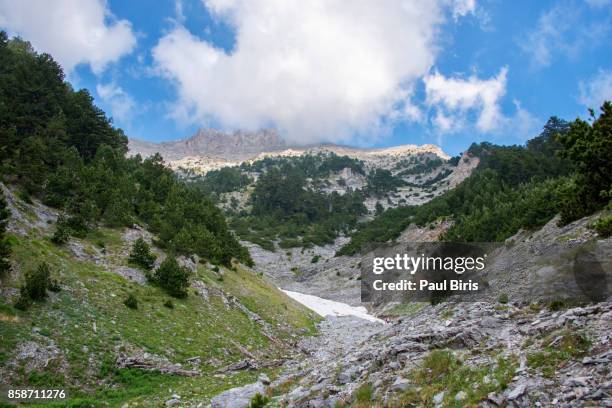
(85,339)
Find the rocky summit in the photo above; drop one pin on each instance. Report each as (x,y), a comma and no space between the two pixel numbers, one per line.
(231,146)
(210,149)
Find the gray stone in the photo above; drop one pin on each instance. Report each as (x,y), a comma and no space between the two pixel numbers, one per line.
(517,391)
(577,381)
(264,379)
(495,398)
(461,395)
(438,398)
(400,384)
(394,365)
(344,377)
(237,397)
(173,402)
(316,403)
(298,394)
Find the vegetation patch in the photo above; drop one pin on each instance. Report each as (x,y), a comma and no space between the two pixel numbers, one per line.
(441,371)
(91,315)
(565,169)
(363,396)
(603,226)
(560,347)
(141,255)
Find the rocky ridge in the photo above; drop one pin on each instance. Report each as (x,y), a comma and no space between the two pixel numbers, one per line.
(210,149)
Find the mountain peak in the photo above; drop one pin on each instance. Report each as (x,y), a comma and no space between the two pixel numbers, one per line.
(236,145)
(211,148)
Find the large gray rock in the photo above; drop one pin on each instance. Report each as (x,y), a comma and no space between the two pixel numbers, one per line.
(237,397)
(400,384)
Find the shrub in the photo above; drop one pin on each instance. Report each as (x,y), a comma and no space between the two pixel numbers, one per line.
(62,232)
(259,401)
(168,303)
(77,225)
(35,287)
(131,301)
(141,255)
(37,282)
(54,285)
(503,298)
(315,259)
(173,277)
(23,303)
(557,304)
(603,226)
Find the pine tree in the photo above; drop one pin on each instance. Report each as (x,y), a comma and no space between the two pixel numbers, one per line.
(588,146)
(173,277)
(37,282)
(62,231)
(141,255)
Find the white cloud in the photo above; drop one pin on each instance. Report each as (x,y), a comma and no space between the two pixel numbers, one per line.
(454,99)
(73,31)
(317,70)
(118,101)
(179,11)
(462,8)
(598,3)
(561,30)
(596,90)
(521,126)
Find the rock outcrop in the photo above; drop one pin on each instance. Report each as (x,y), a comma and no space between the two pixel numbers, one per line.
(480,336)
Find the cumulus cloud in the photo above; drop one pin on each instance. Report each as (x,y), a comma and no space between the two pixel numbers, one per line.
(119,102)
(73,31)
(455,98)
(596,90)
(562,31)
(463,8)
(317,70)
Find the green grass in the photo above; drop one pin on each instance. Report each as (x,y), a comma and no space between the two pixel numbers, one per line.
(603,225)
(193,327)
(560,347)
(441,370)
(363,394)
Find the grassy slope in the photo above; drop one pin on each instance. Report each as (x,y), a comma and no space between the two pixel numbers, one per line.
(194,327)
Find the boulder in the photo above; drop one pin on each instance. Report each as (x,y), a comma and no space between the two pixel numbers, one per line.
(400,384)
(237,397)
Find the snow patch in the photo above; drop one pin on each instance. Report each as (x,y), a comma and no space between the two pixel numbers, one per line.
(325,307)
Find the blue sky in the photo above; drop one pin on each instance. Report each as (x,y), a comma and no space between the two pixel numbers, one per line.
(449,72)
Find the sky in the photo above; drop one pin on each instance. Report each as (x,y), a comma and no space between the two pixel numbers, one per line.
(359,72)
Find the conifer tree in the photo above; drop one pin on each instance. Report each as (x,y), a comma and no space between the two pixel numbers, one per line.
(173,277)
(141,255)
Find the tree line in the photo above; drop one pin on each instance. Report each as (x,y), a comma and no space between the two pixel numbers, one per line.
(566,170)
(57,146)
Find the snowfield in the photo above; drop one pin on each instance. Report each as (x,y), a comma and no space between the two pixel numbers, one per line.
(326,307)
